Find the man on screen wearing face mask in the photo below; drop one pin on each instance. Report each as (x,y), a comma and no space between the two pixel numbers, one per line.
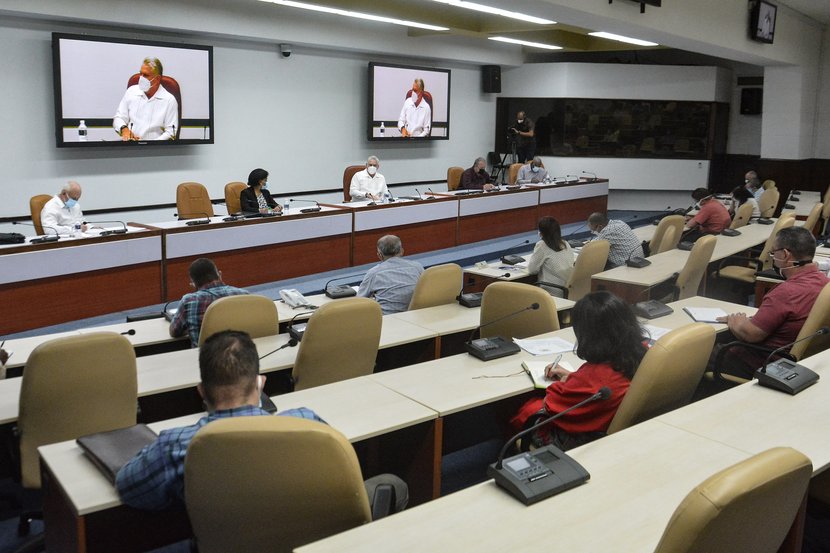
(147,111)
(368,184)
(532,173)
(63,211)
(415,120)
(785,308)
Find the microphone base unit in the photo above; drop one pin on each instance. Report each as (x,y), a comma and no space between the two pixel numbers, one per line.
(233,218)
(296,331)
(111,232)
(145,317)
(198,222)
(685,245)
(536,475)
(765,221)
(638,262)
(789,206)
(652,309)
(786,376)
(472,299)
(512,259)
(310,210)
(342,291)
(488,349)
(44,239)
(576,243)
(730,232)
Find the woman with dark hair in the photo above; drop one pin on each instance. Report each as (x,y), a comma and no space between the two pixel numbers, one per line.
(552,259)
(612,343)
(256,198)
(740,196)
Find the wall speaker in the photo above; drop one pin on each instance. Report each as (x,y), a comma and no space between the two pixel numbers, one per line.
(751,101)
(491,78)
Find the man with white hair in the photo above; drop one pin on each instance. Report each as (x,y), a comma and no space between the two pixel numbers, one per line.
(392,281)
(147,111)
(63,211)
(368,184)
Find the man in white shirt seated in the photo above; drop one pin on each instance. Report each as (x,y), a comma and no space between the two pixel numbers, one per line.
(532,173)
(61,213)
(415,120)
(368,184)
(147,111)
(392,281)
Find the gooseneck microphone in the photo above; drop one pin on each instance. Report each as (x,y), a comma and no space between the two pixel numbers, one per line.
(514,259)
(122,230)
(487,349)
(289,344)
(40,239)
(593,175)
(194,222)
(341,290)
(296,331)
(314,209)
(785,375)
(575,243)
(419,194)
(546,471)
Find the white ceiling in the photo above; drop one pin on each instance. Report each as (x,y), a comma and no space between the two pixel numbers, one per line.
(816,9)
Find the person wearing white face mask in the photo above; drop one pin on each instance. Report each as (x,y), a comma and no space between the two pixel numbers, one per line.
(532,173)
(368,184)
(147,111)
(525,136)
(63,211)
(415,120)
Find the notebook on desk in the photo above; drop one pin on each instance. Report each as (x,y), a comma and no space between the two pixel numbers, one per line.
(109,451)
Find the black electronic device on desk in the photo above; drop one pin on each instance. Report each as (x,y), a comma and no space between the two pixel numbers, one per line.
(488,349)
(730,232)
(786,375)
(470,299)
(685,245)
(536,475)
(577,243)
(652,309)
(340,291)
(512,259)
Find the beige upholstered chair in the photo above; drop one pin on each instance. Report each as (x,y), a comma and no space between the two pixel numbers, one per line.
(348,173)
(438,285)
(667,376)
(193,201)
(768,202)
(767,184)
(688,281)
(256,315)
(746,508)
(36,204)
(335,347)
(513,172)
(590,261)
(742,216)
(813,217)
(257,484)
(825,211)
(503,298)
(745,272)
(232,192)
(454,177)
(72,387)
(667,234)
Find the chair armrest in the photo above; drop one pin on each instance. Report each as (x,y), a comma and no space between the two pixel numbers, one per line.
(552,285)
(758,263)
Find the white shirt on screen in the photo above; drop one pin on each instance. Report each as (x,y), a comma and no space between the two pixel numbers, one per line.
(364,184)
(416,119)
(152,118)
(55,215)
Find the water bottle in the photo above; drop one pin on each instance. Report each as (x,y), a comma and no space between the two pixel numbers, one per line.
(285,205)
(382,129)
(76,229)
(82,131)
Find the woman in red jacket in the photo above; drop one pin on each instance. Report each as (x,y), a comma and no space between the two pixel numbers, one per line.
(611,341)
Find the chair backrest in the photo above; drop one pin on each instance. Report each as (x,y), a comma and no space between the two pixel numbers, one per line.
(36,204)
(513,172)
(438,285)
(767,184)
(819,316)
(503,298)
(825,212)
(232,200)
(340,342)
(278,482)
(454,177)
(72,387)
(590,261)
(193,201)
(171,85)
(667,376)
(688,281)
(667,234)
(746,508)
(812,218)
(785,221)
(768,202)
(348,173)
(742,216)
(256,315)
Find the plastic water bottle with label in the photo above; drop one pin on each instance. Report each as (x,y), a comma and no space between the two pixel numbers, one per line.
(76,229)
(285,205)
(382,129)
(82,131)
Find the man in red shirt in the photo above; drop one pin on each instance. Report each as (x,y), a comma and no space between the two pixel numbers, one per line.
(711,219)
(784,309)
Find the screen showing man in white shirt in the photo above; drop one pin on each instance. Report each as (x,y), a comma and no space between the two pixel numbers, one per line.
(147,111)
(415,120)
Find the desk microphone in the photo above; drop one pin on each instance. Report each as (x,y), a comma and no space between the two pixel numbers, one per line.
(568,178)
(487,349)
(432,194)
(289,344)
(593,175)
(40,239)
(636,261)
(296,331)
(130,332)
(419,194)
(314,209)
(785,375)
(195,221)
(514,259)
(341,290)
(575,243)
(547,471)
(122,230)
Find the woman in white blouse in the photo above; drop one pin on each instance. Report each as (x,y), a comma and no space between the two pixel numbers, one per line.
(552,260)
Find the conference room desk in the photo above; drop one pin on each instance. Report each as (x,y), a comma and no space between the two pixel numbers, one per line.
(82,511)
(802,204)
(79,277)
(573,202)
(258,250)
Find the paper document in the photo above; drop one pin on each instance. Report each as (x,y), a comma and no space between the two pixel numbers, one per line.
(536,371)
(544,346)
(705,314)
(656,332)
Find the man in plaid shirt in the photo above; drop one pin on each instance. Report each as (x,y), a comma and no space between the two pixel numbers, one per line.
(207,280)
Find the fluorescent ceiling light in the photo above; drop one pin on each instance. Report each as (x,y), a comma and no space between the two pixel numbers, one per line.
(620,38)
(525,43)
(496,11)
(356,15)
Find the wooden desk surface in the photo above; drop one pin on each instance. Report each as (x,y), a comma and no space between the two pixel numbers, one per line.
(636,483)
(359,408)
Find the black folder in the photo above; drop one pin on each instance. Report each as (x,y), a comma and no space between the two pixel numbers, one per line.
(110,451)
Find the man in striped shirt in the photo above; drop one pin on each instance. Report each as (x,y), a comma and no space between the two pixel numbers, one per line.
(391,282)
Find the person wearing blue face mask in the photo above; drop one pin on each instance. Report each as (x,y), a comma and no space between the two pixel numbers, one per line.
(256,198)
(532,173)
(63,211)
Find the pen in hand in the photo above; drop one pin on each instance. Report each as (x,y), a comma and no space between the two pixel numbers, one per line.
(549,374)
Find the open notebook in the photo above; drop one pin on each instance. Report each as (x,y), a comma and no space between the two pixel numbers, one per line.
(536,371)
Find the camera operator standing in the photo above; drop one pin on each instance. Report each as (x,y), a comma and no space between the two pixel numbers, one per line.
(525,137)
